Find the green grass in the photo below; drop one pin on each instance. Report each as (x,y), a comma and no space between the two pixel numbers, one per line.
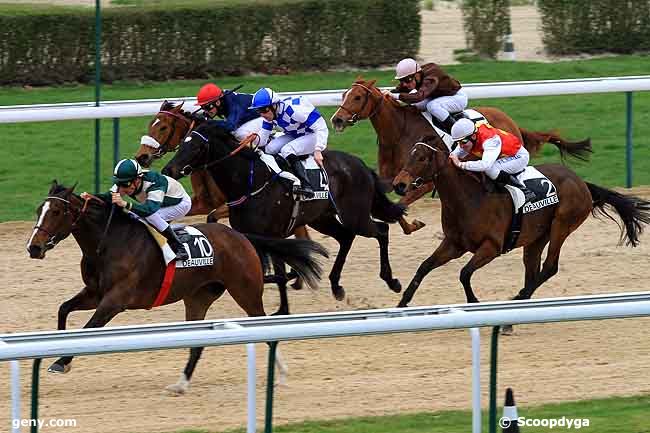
(36,153)
(612,415)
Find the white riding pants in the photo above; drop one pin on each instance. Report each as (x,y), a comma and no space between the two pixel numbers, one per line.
(442,106)
(246,129)
(287,145)
(509,164)
(160,219)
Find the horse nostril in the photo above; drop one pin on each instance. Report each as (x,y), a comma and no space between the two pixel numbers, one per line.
(399,188)
(34,251)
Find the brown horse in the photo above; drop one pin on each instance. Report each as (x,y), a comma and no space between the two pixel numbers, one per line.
(399,126)
(128,270)
(168,128)
(478,221)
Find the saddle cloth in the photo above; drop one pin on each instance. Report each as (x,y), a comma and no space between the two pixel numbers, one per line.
(194,241)
(545,191)
(317,175)
(470,114)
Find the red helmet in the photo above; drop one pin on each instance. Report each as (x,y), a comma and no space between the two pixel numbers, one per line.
(208,93)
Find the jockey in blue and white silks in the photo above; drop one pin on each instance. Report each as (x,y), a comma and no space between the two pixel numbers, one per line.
(305,130)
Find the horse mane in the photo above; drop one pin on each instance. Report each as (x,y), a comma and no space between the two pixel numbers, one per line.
(213,130)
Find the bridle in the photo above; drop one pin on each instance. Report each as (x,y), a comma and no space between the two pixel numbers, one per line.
(187,169)
(52,239)
(164,147)
(420,180)
(357,116)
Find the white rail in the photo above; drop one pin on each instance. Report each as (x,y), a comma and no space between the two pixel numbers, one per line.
(148,107)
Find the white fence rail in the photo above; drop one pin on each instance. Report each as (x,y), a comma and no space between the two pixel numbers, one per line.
(147,107)
(34,345)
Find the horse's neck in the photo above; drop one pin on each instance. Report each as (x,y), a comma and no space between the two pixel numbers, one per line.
(88,232)
(233,180)
(461,195)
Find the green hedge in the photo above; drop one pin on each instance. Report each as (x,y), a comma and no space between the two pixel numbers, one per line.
(595,26)
(486,25)
(157,43)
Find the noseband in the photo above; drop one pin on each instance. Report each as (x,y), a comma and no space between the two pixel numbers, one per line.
(164,147)
(357,116)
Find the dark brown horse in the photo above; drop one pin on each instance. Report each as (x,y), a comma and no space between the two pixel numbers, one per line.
(478,221)
(128,270)
(168,128)
(399,126)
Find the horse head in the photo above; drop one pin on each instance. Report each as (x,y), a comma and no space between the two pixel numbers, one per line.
(204,147)
(55,219)
(425,160)
(361,101)
(166,131)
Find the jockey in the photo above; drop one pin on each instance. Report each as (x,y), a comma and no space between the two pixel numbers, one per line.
(232,108)
(429,88)
(305,131)
(158,199)
(502,153)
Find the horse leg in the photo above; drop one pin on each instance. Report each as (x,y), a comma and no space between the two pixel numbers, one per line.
(445,252)
(196,308)
(484,255)
(106,310)
(409,198)
(300,233)
(386,272)
(84,300)
(280,272)
(559,232)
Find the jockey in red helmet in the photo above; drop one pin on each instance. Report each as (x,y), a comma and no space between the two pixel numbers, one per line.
(232,108)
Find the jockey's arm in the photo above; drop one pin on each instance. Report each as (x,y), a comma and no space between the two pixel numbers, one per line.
(265,133)
(429,84)
(459,152)
(491,152)
(316,123)
(150,206)
(231,122)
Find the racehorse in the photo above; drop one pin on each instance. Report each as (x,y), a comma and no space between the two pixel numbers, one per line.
(124,269)
(398,126)
(166,130)
(478,221)
(262,203)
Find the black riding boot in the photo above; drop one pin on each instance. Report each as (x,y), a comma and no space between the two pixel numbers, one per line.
(175,244)
(508,179)
(448,123)
(299,170)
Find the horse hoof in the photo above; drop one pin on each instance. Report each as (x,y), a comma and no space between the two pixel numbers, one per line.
(395,285)
(297,285)
(338,292)
(402,304)
(59,369)
(417,225)
(506,330)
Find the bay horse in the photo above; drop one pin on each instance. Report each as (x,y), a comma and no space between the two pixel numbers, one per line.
(128,270)
(398,126)
(263,203)
(478,221)
(167,129)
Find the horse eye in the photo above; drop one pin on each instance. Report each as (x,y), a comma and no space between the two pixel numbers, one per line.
(56,212)
(162,128)
(357,98)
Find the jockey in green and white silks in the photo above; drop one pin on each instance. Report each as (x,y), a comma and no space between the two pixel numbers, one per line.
(157,198)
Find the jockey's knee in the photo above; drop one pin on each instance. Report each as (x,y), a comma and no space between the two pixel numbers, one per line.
(437,110)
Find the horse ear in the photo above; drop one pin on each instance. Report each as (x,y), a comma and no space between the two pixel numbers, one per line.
(53,186)
(71,189)
(177,108)
(163,105)
(359,79)
(371,83)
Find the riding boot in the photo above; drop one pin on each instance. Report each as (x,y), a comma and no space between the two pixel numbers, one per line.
(508,179)
(175,244)
(299,170)
(448,123)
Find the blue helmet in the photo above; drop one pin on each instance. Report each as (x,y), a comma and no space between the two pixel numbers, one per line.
(264,97)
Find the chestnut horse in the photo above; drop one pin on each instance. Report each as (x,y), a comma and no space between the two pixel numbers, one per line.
(398,126)
(478,221)
(127,271)
(167,129)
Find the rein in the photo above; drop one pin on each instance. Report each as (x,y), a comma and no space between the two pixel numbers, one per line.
(251,193)
(205,166)
(357,116)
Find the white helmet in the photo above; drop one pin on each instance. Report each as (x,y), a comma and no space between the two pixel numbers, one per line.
(406,67)
(462,128)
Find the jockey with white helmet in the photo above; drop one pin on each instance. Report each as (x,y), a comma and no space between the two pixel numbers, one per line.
(429,88)
(232,107)
(305,130)
(156,198)
(502,153)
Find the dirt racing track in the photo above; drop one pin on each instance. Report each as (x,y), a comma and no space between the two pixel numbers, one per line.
(340,377)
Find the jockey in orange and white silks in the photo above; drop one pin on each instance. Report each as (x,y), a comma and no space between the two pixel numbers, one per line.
(501,153)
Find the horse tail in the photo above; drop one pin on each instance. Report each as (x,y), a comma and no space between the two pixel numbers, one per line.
(382,207)
(634,212)
(297,253)
(534,140)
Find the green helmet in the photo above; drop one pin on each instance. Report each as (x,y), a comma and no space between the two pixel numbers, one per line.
(126,170)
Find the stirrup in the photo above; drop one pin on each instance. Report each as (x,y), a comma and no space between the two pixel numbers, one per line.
(304,193)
